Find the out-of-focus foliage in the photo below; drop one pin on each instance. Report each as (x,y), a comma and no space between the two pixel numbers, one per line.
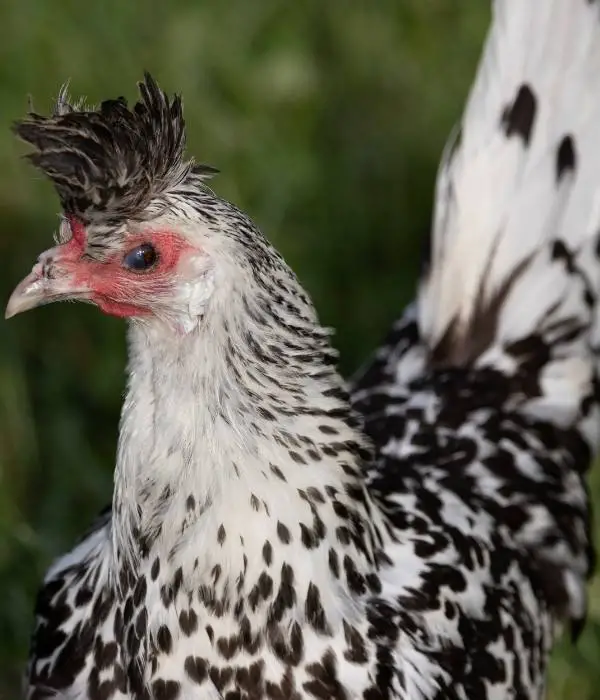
(326,119)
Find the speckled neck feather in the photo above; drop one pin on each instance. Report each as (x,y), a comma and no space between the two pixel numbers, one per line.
(236,430)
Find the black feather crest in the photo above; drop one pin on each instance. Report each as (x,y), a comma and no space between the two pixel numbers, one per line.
(108,164)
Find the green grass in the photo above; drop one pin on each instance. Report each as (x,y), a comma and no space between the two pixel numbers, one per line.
(326,120)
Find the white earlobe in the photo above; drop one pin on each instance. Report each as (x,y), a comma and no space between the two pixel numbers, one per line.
(196,290)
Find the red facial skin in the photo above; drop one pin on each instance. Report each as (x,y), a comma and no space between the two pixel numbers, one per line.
(114,287)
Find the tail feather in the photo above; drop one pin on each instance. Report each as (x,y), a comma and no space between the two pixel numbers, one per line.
(513,283)
(503,345)
(514,267)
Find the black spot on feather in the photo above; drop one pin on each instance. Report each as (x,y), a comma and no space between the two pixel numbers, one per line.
(519,117)
(565,158)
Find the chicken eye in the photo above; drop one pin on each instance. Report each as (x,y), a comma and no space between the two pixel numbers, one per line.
(141,258)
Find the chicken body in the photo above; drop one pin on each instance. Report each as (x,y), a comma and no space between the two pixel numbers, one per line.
(258,546)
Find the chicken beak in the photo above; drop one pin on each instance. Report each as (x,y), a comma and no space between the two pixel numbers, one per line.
(48,281)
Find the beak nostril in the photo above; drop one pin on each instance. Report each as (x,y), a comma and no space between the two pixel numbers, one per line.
(47,282)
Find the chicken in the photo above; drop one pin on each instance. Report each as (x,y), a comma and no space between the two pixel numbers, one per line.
(258,546)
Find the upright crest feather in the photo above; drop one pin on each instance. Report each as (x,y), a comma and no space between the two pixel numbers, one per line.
(108,164)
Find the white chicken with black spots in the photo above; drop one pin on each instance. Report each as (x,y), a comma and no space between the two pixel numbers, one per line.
(258,546)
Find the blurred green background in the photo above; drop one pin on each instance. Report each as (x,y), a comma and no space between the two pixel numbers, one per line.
(326,121)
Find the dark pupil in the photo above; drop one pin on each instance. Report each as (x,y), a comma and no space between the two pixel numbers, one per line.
(141,258)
